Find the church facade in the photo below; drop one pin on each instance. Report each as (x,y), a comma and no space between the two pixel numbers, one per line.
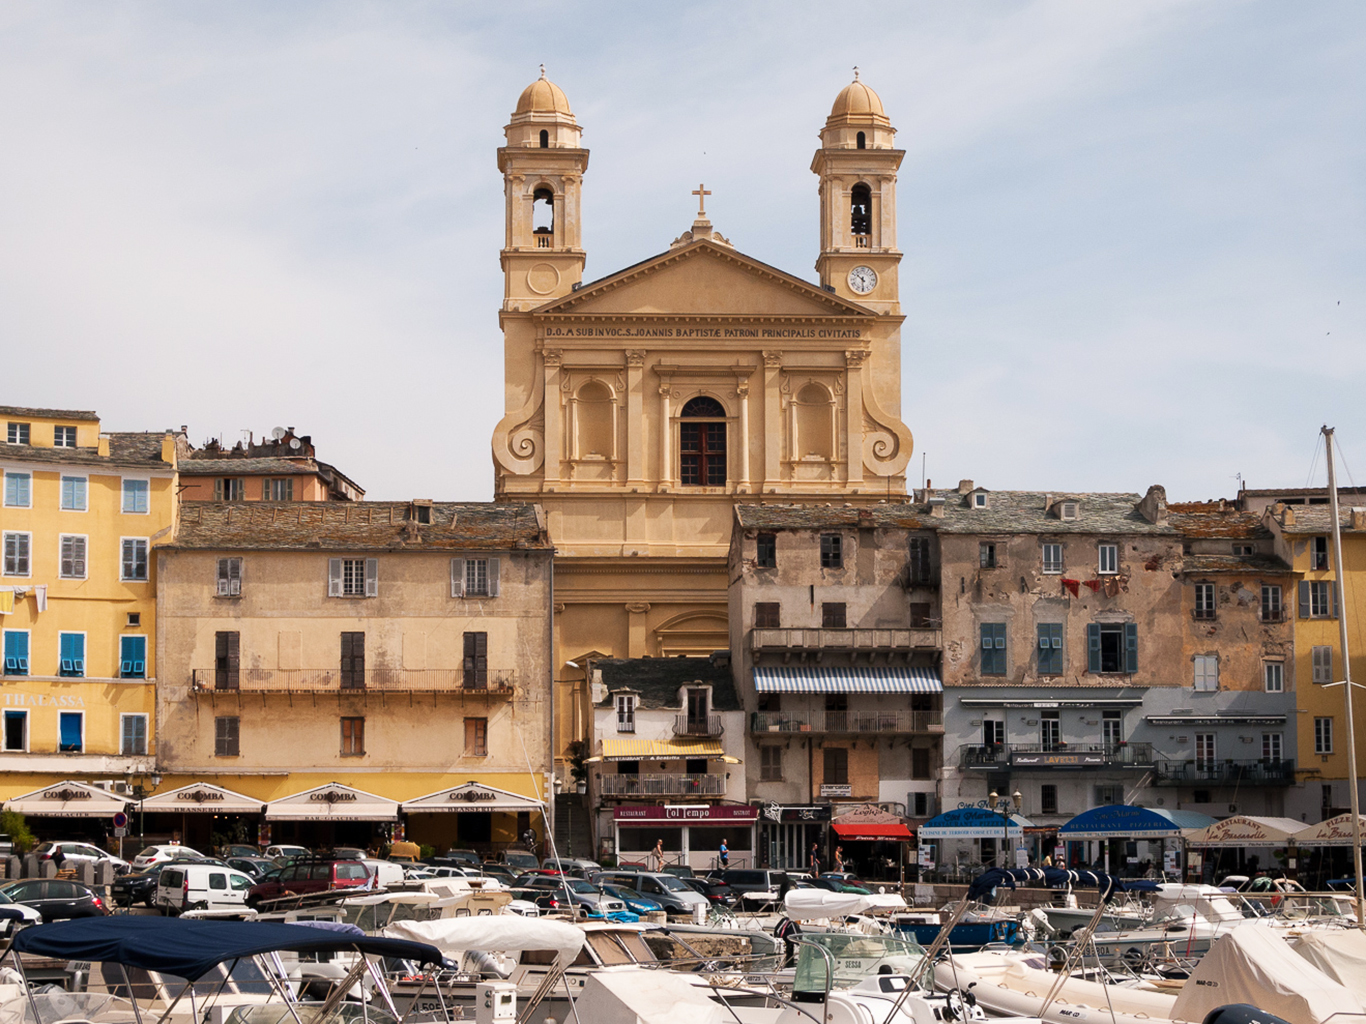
(642,407)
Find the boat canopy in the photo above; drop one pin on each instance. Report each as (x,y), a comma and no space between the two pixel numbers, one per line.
(1054,878)
(190,949)
(503,933)
(971,823)
(815,904)
(1244,830)
(1339,953)
(1123,821)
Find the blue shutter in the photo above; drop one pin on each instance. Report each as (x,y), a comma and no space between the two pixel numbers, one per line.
(16,654)
(1093,646)
(1304,599)
(70,735)
(133,657)
(1130,647)
(72,654)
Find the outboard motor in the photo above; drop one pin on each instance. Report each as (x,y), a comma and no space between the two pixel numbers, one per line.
(487,964)
(1242,1013)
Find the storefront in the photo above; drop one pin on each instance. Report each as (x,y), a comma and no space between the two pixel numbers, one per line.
(945,841)
(203,816)
(52,811)
(331,815)
(1122,839)
(691,833)
(472,816)
(873,846)
(786,834)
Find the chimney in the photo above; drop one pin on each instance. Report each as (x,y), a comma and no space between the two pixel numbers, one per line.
(965,487)
(1153,507)
(1287,516)
(865,517)
(1358,518)
(102,446)
(937,507)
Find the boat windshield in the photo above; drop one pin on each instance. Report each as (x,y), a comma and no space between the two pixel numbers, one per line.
(305,1013)
(855,958)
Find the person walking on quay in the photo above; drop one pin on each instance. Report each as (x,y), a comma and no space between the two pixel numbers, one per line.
(815,858)
(839,859)
(657,856)
(724,854)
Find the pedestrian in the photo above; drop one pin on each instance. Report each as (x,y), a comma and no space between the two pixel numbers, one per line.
(725,854)
(815,858)
(657,856)
(839,859)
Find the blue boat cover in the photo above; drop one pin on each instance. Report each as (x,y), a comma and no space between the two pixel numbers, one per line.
(189,949)
(1055,878)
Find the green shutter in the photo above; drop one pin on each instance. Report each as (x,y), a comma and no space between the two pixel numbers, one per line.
(1130,647)
(1304,599)
(1093,646)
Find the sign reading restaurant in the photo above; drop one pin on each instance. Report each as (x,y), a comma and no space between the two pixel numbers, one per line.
(686,812)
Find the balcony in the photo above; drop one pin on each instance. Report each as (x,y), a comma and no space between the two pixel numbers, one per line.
(334,680)
(848,721)
(1225,773)
(662,785)
(698,725)
(846,641)
(1048,756)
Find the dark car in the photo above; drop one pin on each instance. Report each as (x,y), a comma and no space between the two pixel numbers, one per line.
(635,902)
(307,876)
(718,893)
(504,874)
(837,885)
(141,886)
(254,866)
(241,850)
(55,898)
(550,892)
(457,859)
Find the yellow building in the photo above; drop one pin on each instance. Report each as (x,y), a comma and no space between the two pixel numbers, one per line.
(81,512)
(1304,539)
(642,407)
(330,665)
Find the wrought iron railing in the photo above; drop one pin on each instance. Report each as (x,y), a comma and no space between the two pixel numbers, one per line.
(1266,772)
(336,680)
(890,721)
(1057,755)
(672,784)
(698,725)
(847,639)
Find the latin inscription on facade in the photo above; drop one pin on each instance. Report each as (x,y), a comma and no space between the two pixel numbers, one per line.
(720,333)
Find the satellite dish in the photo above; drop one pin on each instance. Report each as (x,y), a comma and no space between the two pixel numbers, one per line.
(278,433)
(294,442)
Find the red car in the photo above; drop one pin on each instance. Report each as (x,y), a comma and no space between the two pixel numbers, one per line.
(310,876)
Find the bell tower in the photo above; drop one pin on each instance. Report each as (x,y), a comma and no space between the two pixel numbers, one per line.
(543,166)
(857,165)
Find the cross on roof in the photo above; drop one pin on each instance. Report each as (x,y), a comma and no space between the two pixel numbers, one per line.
(701,193)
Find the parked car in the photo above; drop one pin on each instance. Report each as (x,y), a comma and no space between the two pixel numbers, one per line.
(162,853)
(718,893)
(240,850)
(310,876)
(578,867)
(349,853)
(752,880)
(668,891)
(28,916)
(55,898)
(457,858)
(851,881)
(679,870)
(635,902)
(254,866)
(553,891)
(520,860)
(79,853)
(136,887)
(492,869)
(284,853)
(185,886)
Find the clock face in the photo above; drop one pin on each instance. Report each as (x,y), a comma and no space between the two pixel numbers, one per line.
(863,279)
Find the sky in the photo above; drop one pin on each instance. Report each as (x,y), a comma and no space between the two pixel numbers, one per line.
(1134,233)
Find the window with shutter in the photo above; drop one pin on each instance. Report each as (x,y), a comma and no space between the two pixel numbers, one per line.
(352,737)
(72,650)
(74,493)
(226,737)
(1050,648)
(476,667)
(19,490)
(1206,673)
(1112,647)
(353,661)
(836,766)
(17,554)
(230,577)
(134,560)
(920,560)
(133,735)
(226,661)
(73,558)
(766,614)
(1322,664)
(16,652)
(133,657)
(71,732)
(476,737)
(834,615)
(372,577)
(457,577)
(770,764)
(993,648)
(135,494)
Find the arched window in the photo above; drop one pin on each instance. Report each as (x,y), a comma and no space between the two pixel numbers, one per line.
(545,139)
(543,214)
(861,210)
(862,141)
(813,419)
(702,443)
(593,418)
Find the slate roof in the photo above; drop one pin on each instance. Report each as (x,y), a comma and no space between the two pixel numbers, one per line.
(657,680)
(126,451)
(237,467)
(1318,519)
(49,414)
(1027,512)
(820,517)
(1213,520)
(357,526)
(1204,565)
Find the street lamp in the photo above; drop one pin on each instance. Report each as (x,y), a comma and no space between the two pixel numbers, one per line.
(1007,805)
(141,793)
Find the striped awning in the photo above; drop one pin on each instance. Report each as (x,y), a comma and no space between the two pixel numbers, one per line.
(659,750)
(860,679)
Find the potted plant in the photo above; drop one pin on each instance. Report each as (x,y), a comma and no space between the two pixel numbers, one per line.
(578,771)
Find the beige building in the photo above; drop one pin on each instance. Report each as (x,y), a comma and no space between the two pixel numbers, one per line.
(642,407)
(282,467)
(386,651)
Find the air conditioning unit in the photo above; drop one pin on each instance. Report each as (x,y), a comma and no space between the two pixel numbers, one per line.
(105,784)
(122,788)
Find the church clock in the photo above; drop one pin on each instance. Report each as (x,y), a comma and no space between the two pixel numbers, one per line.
(863,279)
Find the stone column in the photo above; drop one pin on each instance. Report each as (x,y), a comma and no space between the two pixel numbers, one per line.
(855,362)
(742,391)
(635,417)
(665,430)
(773,420)
(554,441)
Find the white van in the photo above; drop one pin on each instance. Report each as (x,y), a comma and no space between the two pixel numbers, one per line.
(201,887)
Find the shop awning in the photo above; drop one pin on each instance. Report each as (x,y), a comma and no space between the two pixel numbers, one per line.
(202,798)
(1245,830)
(471,797)
(858,679)
(333,802)
(872,832)
(1333,832)
(970,823)
(1122,821)
(69,800)
(658,750)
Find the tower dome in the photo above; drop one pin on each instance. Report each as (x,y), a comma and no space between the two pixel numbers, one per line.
(857,120)
(855,100)
(545,97)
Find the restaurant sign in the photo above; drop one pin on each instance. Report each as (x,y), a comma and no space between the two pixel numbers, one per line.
(811,813)
(685,813)
(1058,760)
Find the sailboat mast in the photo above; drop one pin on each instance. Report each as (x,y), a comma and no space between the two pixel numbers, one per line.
(1340,583)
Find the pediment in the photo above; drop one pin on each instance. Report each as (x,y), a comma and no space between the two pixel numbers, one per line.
(703,279)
